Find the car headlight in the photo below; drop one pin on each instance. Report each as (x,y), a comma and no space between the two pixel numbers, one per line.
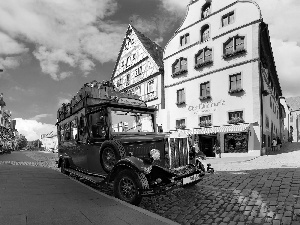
(155,154)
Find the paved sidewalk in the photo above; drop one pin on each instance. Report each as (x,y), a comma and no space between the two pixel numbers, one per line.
(36,195)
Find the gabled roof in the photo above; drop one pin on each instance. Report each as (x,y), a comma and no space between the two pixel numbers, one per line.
(154,50)
(293,103)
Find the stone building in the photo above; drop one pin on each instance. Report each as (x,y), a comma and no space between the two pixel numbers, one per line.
(219,65)
(294,122)
(139,69)
(49,141)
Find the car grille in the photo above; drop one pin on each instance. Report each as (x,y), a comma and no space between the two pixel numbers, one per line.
(178,152)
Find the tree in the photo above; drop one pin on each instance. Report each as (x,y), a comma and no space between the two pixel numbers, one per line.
(21,142)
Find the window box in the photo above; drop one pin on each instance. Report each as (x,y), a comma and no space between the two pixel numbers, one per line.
(181,127)
(237,90)
(180,103)
(235,53)
(205,123)
(206,63)
(178,73)
(236,120)
(205,97)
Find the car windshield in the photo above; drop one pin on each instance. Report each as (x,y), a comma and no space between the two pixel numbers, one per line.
(130,121)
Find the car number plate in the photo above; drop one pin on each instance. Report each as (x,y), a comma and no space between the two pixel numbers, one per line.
(190,179)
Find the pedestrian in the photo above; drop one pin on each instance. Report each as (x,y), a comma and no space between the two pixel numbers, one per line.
(274,144)
(279,143)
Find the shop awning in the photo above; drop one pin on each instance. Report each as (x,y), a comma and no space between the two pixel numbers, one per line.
(244,127)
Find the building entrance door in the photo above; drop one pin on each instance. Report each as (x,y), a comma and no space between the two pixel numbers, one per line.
(207,146)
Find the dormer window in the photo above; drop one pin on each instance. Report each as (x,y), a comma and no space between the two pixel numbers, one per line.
(185,39)
(179,67)
(205,33)
(234,46)
(206,10)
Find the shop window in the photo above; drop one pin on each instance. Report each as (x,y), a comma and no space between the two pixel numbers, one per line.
(205,90)
(235,83)
(236,142)
(205,33)
(180,97)
(179,67)
(203,57)
(180,124)
(227,19)
(234,46)
(205,121)
(206,10)
(185,39)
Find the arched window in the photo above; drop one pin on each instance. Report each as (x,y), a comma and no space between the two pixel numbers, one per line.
(234,45)
(205,33)
(203,55)
(179,65)
(206,10)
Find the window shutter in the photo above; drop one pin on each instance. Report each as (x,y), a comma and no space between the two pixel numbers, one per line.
(238,81)
(183,64)
(225,21)
(231,18)
(200,57)
(202,90)
(229,47)
(187,38)
(208,89)
(183,95)
(208,55)
(232,82)
(239,43)
(176,66)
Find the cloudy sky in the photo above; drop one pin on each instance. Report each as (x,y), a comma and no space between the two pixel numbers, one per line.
(50,48)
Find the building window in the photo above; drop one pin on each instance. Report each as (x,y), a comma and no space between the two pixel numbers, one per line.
(267,122)
(138,71)
(235,117)
(205,121)
(235,83)
(185,39)
(234,46)
(150,86)
(205,91)
(205,34)
(180,124)
(203,57)
(127,79)
(179,67)
(206,10)
(180,97)
(227,19)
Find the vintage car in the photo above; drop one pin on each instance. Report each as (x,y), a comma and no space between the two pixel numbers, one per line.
(112,135)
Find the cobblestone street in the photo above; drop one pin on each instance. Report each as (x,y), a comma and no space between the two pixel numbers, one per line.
(264,190)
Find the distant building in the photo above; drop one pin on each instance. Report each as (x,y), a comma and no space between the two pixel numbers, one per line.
(294,122)
(220,78)
(49,141)
(139,69)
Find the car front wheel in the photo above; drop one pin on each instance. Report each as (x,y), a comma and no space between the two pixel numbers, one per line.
(127,186)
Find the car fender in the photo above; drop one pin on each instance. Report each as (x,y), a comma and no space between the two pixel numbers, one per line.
(131,162)
(63,157)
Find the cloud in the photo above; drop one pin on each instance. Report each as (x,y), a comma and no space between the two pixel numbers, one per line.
(9,46)
(38,117)
(175,6)
(72,32)
(286,55)
(33,129)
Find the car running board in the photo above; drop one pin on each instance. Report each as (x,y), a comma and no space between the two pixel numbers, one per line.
(82,176)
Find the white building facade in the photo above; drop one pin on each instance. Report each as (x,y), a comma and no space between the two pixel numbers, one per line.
(139,69)
(219,66)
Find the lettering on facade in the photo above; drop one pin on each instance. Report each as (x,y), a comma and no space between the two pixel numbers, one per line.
(206,107)
(131,101)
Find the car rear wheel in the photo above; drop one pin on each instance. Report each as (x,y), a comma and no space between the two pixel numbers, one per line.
(127,186)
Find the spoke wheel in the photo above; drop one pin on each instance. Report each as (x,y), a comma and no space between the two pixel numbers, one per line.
(126,187)
(109,158)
